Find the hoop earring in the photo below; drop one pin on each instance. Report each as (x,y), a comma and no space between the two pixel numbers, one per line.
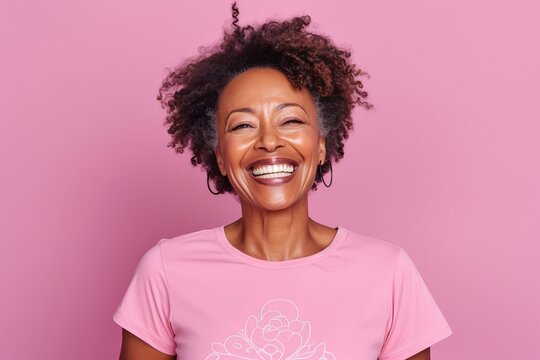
(319,171)
(210,189)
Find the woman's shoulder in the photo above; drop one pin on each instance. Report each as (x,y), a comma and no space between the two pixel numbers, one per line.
(191,235)
(191,242)
(370,246)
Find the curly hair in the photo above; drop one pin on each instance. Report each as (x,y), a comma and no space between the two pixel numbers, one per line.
(190,92)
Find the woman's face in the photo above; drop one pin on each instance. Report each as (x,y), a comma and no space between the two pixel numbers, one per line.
(269,142)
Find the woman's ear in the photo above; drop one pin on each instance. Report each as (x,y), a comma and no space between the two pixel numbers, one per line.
(219,159)
(322,150)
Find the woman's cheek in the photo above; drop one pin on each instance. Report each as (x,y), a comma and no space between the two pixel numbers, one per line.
(303,139)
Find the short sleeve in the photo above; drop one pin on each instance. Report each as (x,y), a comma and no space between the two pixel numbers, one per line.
(145,308)
(416,321)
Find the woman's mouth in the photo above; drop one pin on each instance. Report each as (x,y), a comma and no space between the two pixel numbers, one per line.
(273,171)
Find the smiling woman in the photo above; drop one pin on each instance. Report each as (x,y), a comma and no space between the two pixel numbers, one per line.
(265,112)
(271,127)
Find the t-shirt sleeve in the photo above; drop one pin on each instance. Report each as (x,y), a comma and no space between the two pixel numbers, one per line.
(416,321)
(145,308)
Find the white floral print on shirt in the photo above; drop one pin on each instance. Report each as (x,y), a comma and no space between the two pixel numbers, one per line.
(276,334)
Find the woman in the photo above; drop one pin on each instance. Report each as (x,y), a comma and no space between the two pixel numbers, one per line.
(265,112)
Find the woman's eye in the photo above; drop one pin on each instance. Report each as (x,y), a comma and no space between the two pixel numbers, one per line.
(241,126)
(293,121)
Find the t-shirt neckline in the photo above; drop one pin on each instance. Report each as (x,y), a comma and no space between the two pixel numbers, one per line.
(280,264)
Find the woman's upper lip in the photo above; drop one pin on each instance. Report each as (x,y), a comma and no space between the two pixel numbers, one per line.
(272,161)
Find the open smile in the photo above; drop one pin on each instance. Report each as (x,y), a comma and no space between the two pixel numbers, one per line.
(273,171)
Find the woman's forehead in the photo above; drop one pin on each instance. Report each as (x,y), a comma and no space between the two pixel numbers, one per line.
(262,87)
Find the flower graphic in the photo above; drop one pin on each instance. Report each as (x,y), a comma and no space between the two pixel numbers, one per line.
(276,334)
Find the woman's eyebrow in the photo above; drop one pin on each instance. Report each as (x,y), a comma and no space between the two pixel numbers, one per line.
(281,106)
(252,111)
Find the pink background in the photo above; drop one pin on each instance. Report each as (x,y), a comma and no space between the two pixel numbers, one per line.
(447,164)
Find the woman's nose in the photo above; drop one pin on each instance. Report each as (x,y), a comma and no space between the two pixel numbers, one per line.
(269,138)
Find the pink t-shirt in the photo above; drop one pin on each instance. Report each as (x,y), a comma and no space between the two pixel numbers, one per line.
(198,297)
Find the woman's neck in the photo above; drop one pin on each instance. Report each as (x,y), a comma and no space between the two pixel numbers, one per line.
(278,235)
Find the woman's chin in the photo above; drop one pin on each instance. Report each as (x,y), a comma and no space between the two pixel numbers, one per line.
(273,202)
(275,206)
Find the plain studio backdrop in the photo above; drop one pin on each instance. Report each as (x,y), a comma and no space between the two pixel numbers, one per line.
(446,165)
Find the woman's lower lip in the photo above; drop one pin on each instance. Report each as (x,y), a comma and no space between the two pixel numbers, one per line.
(274,181)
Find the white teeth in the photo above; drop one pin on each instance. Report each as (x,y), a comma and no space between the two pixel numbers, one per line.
(273,170)
(274,175)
